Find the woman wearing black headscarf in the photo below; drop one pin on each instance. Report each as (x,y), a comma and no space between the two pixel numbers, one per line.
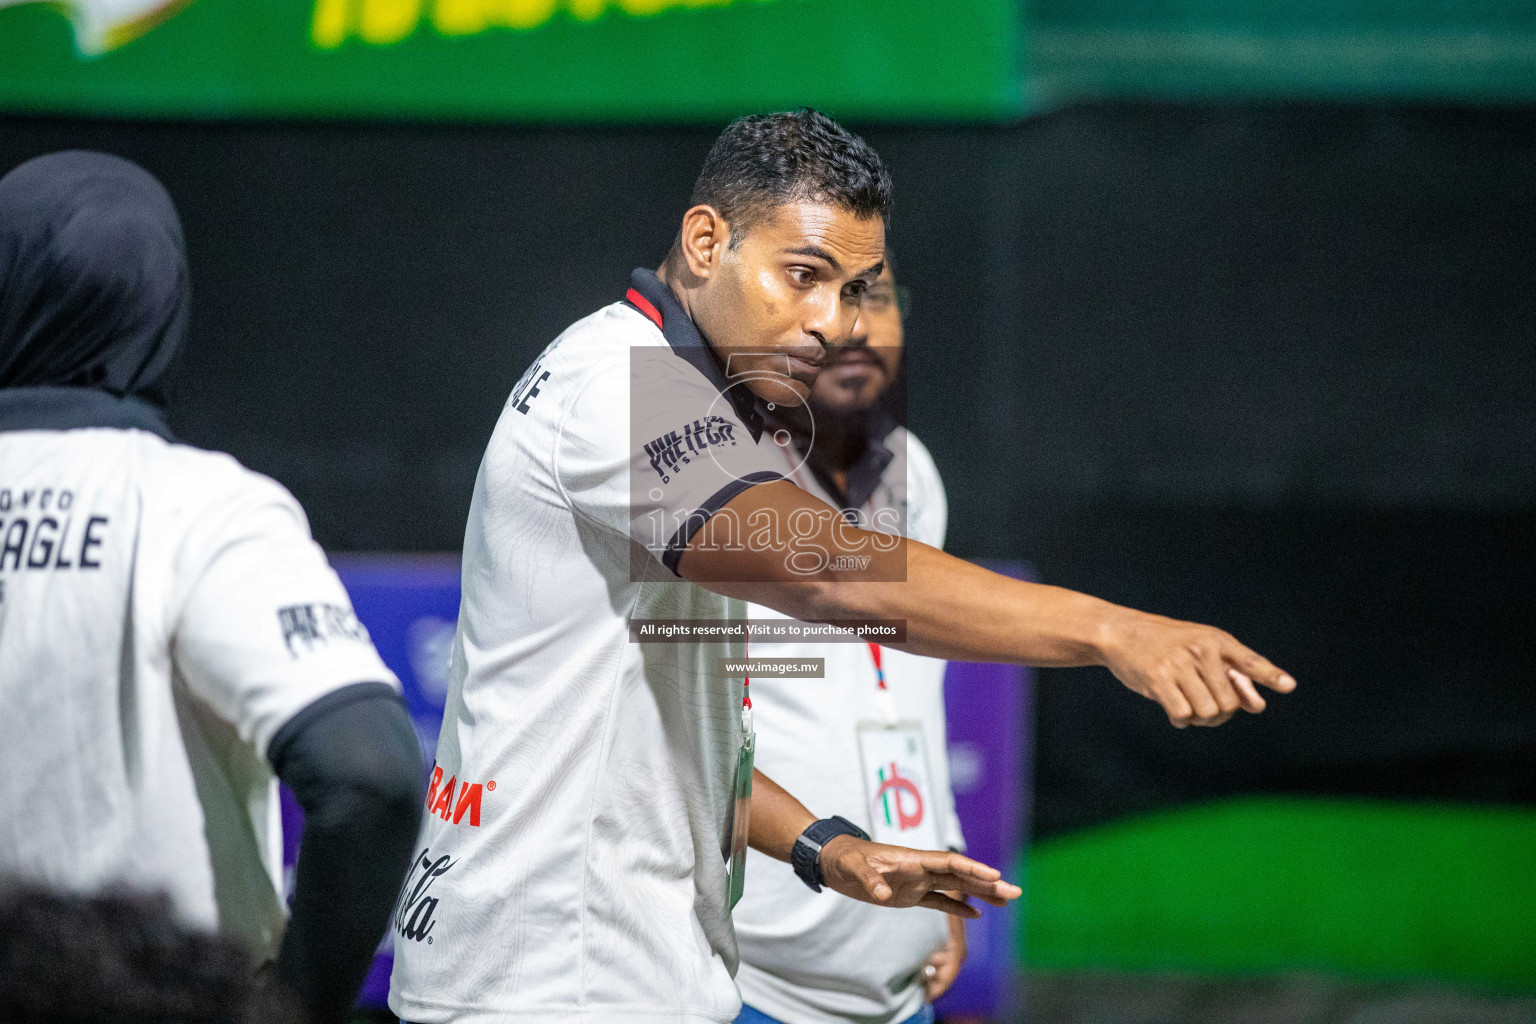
(168,629)
(94,290)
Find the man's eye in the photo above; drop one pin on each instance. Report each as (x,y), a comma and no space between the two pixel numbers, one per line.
(801,275)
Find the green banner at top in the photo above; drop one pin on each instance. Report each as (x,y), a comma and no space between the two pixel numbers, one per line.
(593,60)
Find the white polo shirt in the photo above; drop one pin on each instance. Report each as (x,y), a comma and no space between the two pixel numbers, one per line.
(571,868)
(818,958)
(163,613)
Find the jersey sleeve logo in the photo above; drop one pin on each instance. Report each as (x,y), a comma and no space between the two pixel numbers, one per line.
(527,387)
(308,626)
(676,449)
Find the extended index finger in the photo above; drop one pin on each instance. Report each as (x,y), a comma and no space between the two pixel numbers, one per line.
(1256,667)
(941,862)
(996,892)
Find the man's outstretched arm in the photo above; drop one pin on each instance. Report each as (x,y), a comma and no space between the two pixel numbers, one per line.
(1200,675)
(888,876)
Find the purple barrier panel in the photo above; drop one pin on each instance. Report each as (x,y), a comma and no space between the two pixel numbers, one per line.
(410,605)
(989,708)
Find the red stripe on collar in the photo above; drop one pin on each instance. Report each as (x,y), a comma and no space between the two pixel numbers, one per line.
(643,304)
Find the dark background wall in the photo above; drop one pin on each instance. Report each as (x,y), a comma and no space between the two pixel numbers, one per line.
(1268,366)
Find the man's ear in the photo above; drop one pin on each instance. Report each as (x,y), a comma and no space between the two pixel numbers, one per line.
(703,240)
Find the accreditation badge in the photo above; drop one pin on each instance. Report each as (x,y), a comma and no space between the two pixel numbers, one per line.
(741,813)
(898,785)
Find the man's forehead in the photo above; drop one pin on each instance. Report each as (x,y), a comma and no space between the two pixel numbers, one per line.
(856,243)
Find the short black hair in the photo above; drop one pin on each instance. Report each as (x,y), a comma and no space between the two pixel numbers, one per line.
(767,160)
(119,957)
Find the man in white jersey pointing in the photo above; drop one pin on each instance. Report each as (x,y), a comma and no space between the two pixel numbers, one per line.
(170,636)
(579,859)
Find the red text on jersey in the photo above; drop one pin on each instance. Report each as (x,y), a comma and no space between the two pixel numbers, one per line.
(441,798)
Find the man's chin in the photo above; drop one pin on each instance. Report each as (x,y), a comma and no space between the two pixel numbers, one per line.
(838,410)
(845,402)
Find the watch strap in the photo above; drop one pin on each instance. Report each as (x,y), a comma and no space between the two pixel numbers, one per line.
(805,855)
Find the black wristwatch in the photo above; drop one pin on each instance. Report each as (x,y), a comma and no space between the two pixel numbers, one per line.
(805,856)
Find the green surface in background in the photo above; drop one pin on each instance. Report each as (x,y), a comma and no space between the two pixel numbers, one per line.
(646,60)
(1260,885)
(1470,50)
(694,60)
(625,60)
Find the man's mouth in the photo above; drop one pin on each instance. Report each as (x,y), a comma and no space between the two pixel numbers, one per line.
(853,357)
(807,364)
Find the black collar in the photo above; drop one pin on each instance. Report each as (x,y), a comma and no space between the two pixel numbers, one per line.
(684,337)
(54,408)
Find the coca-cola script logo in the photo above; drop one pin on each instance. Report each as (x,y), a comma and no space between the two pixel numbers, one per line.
(414,908)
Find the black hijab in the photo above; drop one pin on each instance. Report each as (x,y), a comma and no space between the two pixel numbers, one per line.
(94,293)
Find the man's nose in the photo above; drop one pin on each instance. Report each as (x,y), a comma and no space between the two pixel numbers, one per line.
(826,323)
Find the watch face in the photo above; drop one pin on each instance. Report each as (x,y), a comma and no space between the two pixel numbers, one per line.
(805,858)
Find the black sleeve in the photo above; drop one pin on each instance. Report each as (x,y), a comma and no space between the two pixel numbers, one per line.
(352,760)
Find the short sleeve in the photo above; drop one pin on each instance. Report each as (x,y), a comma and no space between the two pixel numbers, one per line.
(651,449)
(265,627)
